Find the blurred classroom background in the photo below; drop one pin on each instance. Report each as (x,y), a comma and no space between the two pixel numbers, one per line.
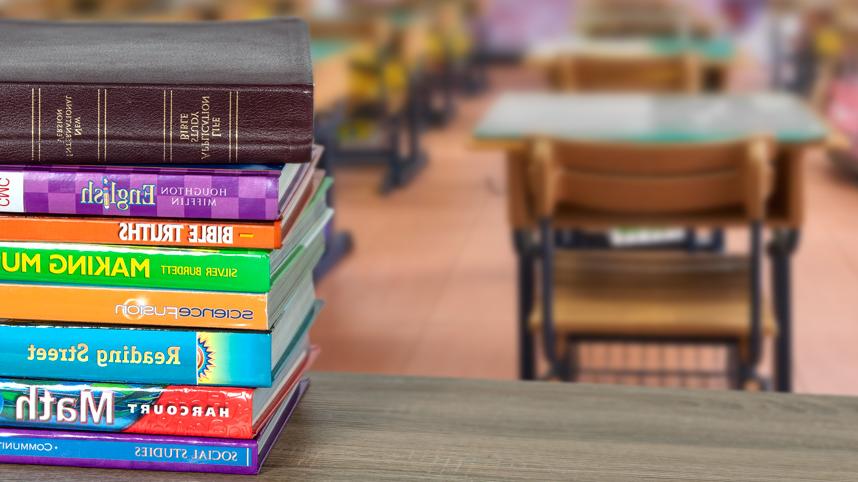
(438,250)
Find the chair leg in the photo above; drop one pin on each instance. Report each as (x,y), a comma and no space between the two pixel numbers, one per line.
(733,367)
(394,164)
(526,351)
(745,375)
(751,357)
(548,334)
(781,250)
(573,361)
(567,365)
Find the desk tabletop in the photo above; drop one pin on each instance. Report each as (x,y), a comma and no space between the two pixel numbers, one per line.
(403,18)
(369,427)
(710,49)
(326,48)
(649,118)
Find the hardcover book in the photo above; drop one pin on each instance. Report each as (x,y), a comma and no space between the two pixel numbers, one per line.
(233,270)
(201,92)
(168,232)
(151,356)
(196,309)
(149,452)
(237,270)
(198,411)
(246,193)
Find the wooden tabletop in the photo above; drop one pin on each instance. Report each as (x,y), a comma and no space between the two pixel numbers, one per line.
(366,427)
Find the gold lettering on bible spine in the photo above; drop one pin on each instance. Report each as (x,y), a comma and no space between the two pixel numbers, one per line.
(105,125)
(32,124)
(39,147)
(236,126)
(164,157)
(98,125)
(229,133)
(171,125)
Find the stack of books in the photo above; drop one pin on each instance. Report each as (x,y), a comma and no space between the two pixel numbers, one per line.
(161,214)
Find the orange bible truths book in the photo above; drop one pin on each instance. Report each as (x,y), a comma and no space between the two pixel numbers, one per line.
(155,231)
(142,232)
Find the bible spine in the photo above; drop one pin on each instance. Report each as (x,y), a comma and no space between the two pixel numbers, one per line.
(134,123)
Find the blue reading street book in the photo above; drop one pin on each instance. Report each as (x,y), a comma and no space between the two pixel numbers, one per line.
(151,356)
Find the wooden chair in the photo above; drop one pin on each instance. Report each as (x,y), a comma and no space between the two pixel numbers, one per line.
(618,73)
(627,73)
(636,18)
(645,295)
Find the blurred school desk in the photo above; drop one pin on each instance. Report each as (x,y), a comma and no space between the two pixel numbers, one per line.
(717,54)
(516,117)
(373,427)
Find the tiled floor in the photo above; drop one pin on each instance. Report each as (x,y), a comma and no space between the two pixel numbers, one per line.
(430,287)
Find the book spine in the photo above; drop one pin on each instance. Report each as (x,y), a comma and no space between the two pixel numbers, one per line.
(149,452)
(141,232)
(79,449)
(123,355)
(124,408)
(120,123)
(192,309)
(171,268)
(126,192)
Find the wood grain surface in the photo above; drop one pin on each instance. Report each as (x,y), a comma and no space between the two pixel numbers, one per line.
(371,427)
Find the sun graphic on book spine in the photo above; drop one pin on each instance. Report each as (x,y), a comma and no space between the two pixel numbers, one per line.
(205,359)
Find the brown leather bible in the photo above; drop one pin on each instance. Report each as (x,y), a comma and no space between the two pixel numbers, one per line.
(155,93)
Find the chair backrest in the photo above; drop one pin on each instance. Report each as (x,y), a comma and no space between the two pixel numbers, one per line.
(628,182)
(634,180)
(640,18)
(376,31)
(626,73)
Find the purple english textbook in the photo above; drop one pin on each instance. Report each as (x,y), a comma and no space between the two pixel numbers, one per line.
(247,193)
(148,452)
